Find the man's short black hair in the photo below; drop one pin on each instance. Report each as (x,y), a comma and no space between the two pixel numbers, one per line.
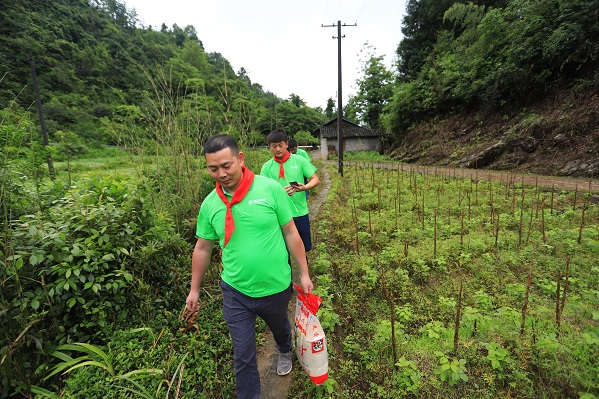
(292,143)
(220,142)
(276,136)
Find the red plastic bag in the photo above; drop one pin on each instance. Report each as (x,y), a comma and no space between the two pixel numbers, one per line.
(310,341)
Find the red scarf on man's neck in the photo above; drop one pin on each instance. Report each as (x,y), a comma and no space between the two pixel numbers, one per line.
(247,179)
(281,162)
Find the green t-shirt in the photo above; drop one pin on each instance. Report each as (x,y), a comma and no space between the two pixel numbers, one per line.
(304,155)
(255,259)
(296,169)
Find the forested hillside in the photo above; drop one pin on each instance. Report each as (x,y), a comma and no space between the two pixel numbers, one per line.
(98,68)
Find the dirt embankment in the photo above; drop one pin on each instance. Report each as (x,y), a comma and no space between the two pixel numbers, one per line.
(558,136)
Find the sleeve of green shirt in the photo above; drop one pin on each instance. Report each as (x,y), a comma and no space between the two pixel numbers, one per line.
(304,154)
(307,168)
(204,228)
(265,169)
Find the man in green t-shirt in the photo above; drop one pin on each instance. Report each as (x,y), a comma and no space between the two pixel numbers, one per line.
(290,171)
(251,217)
(293,149)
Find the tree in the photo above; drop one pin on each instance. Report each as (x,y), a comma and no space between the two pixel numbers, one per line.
(374,89)
(296,100)
(330,110)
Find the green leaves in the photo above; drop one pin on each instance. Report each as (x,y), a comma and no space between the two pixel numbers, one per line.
(451,370)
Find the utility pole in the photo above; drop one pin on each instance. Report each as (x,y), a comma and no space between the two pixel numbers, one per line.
(339,105)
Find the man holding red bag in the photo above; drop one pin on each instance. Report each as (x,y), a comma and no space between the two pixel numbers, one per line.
(251,217)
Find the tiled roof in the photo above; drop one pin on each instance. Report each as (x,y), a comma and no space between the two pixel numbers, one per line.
(350,129)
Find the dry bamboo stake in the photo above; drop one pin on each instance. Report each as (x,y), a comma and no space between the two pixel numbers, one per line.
(405,248)
(357,228)
(543,220)
(399,197)
(537,194)
(496,232)
(525,305)
(521,217)
(575,196)
(557,300)
(369,223)
(456,335)
(490,191)
(379,198)
(491,205)
(396,214)
(566,283)
(462,231)
(529,228)
(513,200)
(584,208)
(435,237)
(423,208)
(469,206)
(476,187)
(552,191)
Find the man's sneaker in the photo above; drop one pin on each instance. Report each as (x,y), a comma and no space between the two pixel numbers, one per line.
(284,363)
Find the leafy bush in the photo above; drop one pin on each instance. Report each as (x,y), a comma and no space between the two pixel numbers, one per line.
(82,268)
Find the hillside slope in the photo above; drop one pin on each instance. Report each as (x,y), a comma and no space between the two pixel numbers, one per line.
(557,136)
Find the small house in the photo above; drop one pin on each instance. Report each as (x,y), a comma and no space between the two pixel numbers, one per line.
(355,138)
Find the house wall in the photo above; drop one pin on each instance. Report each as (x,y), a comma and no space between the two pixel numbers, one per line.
(324,152)
(363,144)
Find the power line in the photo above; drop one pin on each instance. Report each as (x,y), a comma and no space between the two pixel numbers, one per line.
(325,9)
(349,9)
(362,9)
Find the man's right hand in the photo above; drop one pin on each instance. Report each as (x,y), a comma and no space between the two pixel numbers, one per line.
(193,303)
(290,190)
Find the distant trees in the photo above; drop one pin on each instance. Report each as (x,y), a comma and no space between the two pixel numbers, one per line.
(94,60)
(330,110)
(374,90)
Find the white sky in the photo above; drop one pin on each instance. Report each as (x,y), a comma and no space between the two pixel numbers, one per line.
(281,43)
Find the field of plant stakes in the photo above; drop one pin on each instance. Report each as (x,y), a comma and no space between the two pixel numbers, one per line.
(439,286)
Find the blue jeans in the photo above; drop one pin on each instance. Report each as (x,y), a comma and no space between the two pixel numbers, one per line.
(302,223)
(240,313)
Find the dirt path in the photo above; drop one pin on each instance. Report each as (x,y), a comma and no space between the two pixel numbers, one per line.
(273,385)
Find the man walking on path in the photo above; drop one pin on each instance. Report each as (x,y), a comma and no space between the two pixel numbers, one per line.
(290,170)
(294,149)
(251,217)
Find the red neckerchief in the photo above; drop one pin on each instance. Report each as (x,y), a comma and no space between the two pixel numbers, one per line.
(247,179)
(281,162)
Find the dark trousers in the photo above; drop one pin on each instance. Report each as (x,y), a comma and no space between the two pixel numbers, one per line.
(302,223)
(240,311)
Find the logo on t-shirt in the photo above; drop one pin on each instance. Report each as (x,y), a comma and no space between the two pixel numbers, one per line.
(257,201)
